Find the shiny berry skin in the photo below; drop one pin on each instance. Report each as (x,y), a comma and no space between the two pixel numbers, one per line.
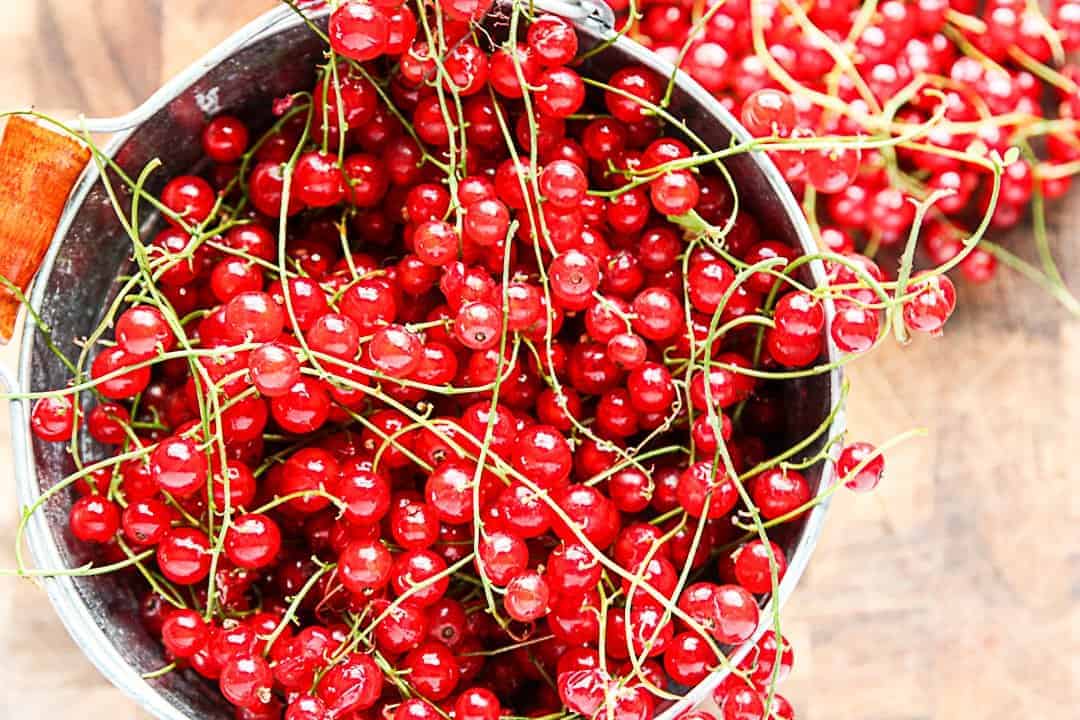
(583,691)
(334,334)
(179,467)
(274,369)
(753,568)
(870,475)
(790,350)
(183,556)
(189,197)
(542,454)
(53,418)
(449,489)
(305,297)
(233,276)
(266,187)
(631,490)
(854,329)
(701,485)
(253,541)
(402,627)
(689,659)
(106,422)
(573,568)
(651,387)
(433,670)
(552,40)
(799,314)
(734,615)
(762,281)
(366,494)
(934,301)
(318,180)
(502,556)
(224,139)
(395,351)
(778,492)
(142,329)
(254,317)
(590,513)
(658,314)
(416,709)
(414,525)
(527,597)
(123,385)
(574,276)
(636,84)
(412,573)
(831,170)
(769,112)
(628,350)
(563,184)
(763,659)
(246,681)
(477,704)
(359,30)
(306,707)
(146,522)
(486,223)
(708,282)
(352,686)
(303,408)
(561,93)
(184,633)
(742,703)
(525,512)
(94,519)
(436,243)
(675,192)
(364,566)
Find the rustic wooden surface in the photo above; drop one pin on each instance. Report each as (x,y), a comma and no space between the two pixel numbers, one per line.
(951,593)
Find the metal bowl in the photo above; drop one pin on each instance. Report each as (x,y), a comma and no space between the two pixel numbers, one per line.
(272,56)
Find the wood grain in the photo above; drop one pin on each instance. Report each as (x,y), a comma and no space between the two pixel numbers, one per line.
(951,593)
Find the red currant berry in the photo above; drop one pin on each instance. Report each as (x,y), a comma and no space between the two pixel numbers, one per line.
(184,556)
(53,418)
(855,454)
(359,30)
(224,139)
(252,541)
(94,519)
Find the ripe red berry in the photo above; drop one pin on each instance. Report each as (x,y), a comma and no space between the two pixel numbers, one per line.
(190,198)
(253,541)
(184,556)
(359,30)
(769,112)
(184,633)
(53,418)
(364,566)
(142,330)
(94,519)
(854,455)
(179,466)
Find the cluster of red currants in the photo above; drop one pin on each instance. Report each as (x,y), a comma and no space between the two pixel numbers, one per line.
(478,433)
(954,77)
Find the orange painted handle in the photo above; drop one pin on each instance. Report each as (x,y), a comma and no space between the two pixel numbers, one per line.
(38,169)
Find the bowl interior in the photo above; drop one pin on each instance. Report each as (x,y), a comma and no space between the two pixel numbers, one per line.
(78,282)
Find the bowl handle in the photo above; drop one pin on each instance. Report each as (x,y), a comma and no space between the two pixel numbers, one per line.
(40,167)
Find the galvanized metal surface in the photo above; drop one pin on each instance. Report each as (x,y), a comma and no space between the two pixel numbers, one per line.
(271,56)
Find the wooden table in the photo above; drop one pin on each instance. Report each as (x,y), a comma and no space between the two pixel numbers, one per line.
(951,593)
